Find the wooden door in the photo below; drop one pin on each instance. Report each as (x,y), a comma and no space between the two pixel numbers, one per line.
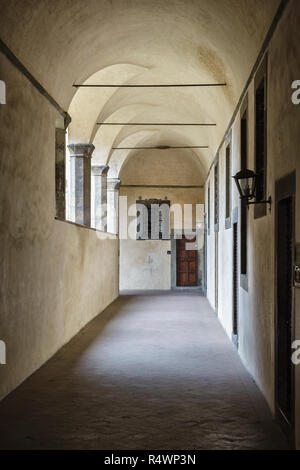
(187,263)
(285,223)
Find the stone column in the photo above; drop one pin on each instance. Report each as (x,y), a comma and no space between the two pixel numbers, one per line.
(113,185)
(99,174)
(81,170)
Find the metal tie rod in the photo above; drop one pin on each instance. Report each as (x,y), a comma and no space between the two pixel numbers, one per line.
(162,85)
(154,124)
(163,147)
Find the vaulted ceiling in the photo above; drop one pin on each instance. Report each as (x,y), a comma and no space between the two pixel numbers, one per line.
(63,42)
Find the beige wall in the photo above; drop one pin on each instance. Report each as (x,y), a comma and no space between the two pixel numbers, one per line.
(146,264)
(175,167)
(257,306)
(55,276)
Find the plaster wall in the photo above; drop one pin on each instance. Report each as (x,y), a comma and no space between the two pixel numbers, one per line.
(55,276)
(257,304)
(210,244)
(175,167)
(225,255)
(284,136)
(145,264)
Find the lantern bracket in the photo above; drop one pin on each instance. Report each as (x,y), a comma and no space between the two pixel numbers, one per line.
(267,201)
(248,195)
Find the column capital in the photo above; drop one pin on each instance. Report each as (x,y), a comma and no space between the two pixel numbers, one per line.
(81,150)
(113,184)
(100,170)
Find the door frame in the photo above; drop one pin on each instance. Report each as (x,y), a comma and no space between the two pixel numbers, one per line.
(204,275)
(235,225)
(194,240)
(174,234)
(216,271)
(235,284)
(285,188)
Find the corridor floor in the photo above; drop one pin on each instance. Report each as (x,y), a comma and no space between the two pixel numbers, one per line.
(154,371)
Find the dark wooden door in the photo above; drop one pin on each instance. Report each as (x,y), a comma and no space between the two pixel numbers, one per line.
(235,320)
(285,396)
(187,263)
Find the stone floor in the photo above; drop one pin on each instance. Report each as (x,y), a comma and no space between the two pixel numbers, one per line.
(153,371)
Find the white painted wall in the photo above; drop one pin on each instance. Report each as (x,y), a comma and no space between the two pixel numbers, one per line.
(257,305)
(145,264)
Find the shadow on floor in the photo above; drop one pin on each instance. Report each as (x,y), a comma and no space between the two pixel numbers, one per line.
(155,370)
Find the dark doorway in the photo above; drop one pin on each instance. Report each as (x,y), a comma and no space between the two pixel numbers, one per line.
(285,399)
(204,258)
(216,271)
(216,200)
(186,263)
(235,286)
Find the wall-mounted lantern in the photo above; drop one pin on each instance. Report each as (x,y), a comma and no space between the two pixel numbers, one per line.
(246,183)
